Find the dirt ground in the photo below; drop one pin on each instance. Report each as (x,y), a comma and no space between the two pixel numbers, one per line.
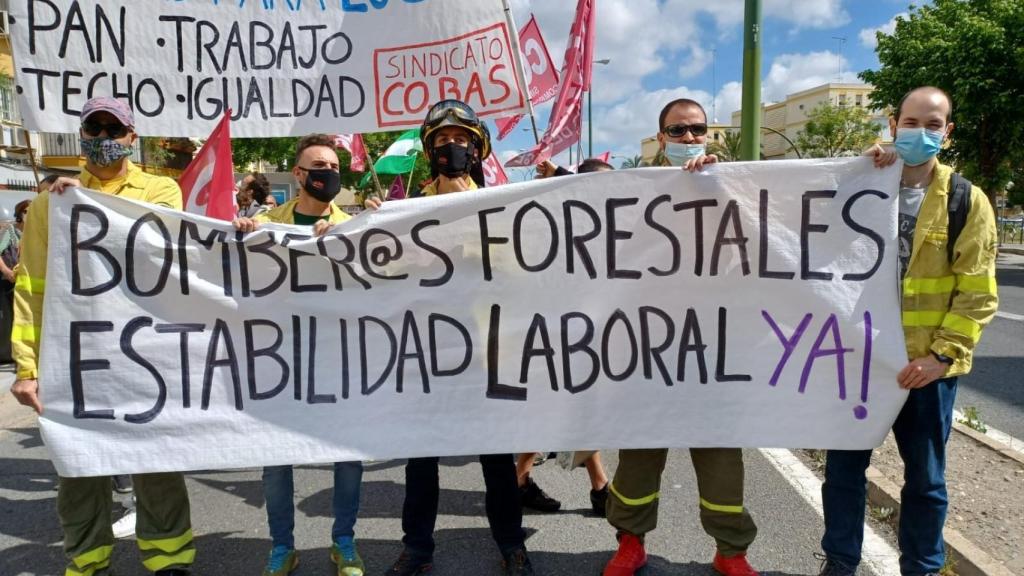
(986,495)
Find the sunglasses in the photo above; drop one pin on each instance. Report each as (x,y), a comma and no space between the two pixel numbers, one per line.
(113,129)
(678,130)
(459,110)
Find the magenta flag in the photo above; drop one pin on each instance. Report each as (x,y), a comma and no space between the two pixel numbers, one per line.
(397,190)
(564,126)
(539,69)
(354,144)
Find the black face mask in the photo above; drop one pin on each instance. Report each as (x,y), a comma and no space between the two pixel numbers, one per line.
(322,184)
(452,160)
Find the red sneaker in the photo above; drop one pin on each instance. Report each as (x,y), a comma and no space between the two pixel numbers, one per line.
(630,557)
(733,566)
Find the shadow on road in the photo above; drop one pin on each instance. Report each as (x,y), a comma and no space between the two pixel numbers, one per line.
(988,376)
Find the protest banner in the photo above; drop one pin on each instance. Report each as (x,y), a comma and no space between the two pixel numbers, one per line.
(753,304)
(289,67)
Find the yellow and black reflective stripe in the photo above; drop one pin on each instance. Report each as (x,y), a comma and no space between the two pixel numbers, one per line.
(962,325)
(942,285)
(88,563)
(721,507)
(979,284)
(173,551)
(30,285)
(926,318)
(633,501)
(25,333)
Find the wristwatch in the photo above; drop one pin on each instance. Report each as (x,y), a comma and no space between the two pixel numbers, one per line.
(944,359)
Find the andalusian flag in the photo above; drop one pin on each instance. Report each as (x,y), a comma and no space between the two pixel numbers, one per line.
(400,156)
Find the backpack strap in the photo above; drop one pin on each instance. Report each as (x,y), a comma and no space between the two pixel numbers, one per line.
(958,204)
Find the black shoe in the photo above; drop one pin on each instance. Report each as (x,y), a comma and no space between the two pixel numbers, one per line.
(123,484)
(599,500)
(517,563)
(173,572)
(531,496)
(409,564)
(834,567)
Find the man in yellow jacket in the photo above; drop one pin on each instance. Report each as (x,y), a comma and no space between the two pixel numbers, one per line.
(947,299)
(163,528)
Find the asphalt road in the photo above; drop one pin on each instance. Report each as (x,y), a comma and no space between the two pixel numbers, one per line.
(230,524)
(995,385)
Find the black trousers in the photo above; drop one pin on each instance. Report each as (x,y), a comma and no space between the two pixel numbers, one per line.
(504,512)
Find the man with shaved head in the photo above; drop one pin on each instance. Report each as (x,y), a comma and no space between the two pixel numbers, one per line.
(947,239)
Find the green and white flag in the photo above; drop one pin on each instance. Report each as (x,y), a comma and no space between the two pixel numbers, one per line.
(400,157)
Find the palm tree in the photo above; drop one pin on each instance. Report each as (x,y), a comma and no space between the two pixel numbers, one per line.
(728,148)
(634,162)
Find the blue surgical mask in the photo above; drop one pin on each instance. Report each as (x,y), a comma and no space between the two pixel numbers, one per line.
(917,145)
(678,153)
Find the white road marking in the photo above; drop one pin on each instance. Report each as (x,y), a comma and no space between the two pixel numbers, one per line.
(1010,316)
(881,558)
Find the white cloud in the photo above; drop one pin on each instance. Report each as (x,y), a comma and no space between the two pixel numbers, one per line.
(791,73)
(868,36)
(623,125)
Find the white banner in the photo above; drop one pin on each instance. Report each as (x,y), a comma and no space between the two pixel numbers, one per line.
(284,67)
(754,304)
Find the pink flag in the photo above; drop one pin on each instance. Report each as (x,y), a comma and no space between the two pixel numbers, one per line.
(539,70)
(494,174)
(397,190)
(604,157)
(354,144)
(564,125)
(207,183)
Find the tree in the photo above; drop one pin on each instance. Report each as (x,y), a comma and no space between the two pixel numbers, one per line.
(278,152)
(974,50)
(728,148)
(634,162)
(833,131)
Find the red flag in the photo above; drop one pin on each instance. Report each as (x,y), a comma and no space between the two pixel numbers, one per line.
(494,174)
(564,125)
(207,184)
(354,144)
(604,157)
(397,190)
(539,70)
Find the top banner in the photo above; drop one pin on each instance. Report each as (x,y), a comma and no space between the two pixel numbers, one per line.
(284,67)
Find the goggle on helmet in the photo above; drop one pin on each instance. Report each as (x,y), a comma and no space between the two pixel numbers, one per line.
(455,113)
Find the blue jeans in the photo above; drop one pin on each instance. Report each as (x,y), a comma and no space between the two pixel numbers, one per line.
(279,491)
(921,431)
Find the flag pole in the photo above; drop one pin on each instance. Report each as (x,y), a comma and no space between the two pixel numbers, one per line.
(517,61)
(376,181)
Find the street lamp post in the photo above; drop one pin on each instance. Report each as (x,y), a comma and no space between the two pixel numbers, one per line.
(590,111)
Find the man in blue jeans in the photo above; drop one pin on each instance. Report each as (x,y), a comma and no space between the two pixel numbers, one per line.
(317,173)
(947,299)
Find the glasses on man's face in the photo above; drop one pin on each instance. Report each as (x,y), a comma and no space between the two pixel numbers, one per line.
(678,130)
(93,129)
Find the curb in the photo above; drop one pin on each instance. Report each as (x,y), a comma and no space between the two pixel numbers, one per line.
(967,558)
(1017,251)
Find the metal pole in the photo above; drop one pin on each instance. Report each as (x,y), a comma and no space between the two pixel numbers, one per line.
(517,61)
(31,156)
(750,131)
(590,124)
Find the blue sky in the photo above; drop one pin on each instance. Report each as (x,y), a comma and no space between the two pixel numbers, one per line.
(662,49)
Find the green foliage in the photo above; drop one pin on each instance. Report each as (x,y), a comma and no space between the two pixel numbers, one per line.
(972,419)
(728,148)
(634,162)
(833,131)
(974,50)
(277,152)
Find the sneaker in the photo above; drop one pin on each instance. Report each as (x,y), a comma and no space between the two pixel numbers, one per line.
(733,565)
(599,500)
(122,484)
(629,558)
(343,553)
(517,563)
(281,561)
(124,527)
(531,496)
(834,567)
(409,564)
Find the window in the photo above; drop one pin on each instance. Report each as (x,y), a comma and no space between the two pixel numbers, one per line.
(7,112)
(859,99)
(716,136)
(842,99)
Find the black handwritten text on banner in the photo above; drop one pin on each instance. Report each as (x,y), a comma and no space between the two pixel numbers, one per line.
(641,308)
(284,67)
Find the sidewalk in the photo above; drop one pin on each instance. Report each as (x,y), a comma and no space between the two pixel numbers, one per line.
(1012,248)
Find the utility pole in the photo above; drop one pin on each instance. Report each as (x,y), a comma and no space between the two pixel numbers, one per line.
(750,130)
